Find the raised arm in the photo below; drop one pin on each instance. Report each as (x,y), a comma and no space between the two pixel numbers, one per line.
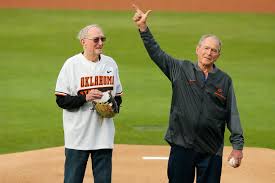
(165,62)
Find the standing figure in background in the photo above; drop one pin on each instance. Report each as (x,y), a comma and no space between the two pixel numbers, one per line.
(84,79)
(203,103)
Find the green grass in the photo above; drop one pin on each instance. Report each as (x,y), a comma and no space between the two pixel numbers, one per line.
(35,43)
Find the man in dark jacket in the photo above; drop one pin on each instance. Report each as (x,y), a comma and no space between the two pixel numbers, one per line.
(203,103)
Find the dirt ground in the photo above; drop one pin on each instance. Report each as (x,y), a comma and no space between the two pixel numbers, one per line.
(46,166)
(260,6)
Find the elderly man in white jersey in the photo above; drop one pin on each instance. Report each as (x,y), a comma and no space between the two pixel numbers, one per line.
(83,78)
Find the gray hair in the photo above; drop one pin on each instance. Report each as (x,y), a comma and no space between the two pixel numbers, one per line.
(83,33)
(203,37)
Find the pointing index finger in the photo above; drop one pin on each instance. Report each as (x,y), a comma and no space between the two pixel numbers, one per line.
(137,9)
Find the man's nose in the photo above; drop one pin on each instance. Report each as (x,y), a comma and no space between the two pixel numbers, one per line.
(100,42)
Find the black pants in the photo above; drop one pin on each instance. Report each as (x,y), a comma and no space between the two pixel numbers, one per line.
(76,161)
(184,162)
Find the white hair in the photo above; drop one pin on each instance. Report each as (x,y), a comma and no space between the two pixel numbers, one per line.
(83,33)
(203,37)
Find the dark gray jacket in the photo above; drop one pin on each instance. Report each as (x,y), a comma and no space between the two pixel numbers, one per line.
(200,108)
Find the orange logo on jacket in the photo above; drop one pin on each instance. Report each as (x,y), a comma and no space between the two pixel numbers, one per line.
(219,93)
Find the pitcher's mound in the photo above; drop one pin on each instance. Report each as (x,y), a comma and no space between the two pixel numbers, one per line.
(46,166)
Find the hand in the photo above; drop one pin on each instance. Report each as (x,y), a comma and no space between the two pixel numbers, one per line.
(237,155)
(140,18)
(94,94)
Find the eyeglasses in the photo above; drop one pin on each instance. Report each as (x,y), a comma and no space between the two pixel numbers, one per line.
(96,39)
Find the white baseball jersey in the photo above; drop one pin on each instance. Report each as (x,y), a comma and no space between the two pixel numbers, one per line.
(84,129)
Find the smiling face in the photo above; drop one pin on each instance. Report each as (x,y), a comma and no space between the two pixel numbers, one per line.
(208,51)
(93,42)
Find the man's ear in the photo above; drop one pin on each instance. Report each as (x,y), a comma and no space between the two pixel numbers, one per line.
(82,42)
(197,49)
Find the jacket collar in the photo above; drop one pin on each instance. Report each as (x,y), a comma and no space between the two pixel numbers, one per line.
(215,69)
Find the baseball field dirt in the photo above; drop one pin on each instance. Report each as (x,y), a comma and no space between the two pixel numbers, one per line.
(46,166)
(260,6)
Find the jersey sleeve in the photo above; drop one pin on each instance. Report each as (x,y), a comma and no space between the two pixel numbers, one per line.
(70,102)
(63,82)
(118,86)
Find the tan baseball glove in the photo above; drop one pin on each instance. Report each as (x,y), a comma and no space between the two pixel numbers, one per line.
(107,106)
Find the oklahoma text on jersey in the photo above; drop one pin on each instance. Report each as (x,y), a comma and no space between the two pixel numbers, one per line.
(98,81)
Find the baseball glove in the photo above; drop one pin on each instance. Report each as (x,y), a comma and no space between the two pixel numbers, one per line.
(107,106)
